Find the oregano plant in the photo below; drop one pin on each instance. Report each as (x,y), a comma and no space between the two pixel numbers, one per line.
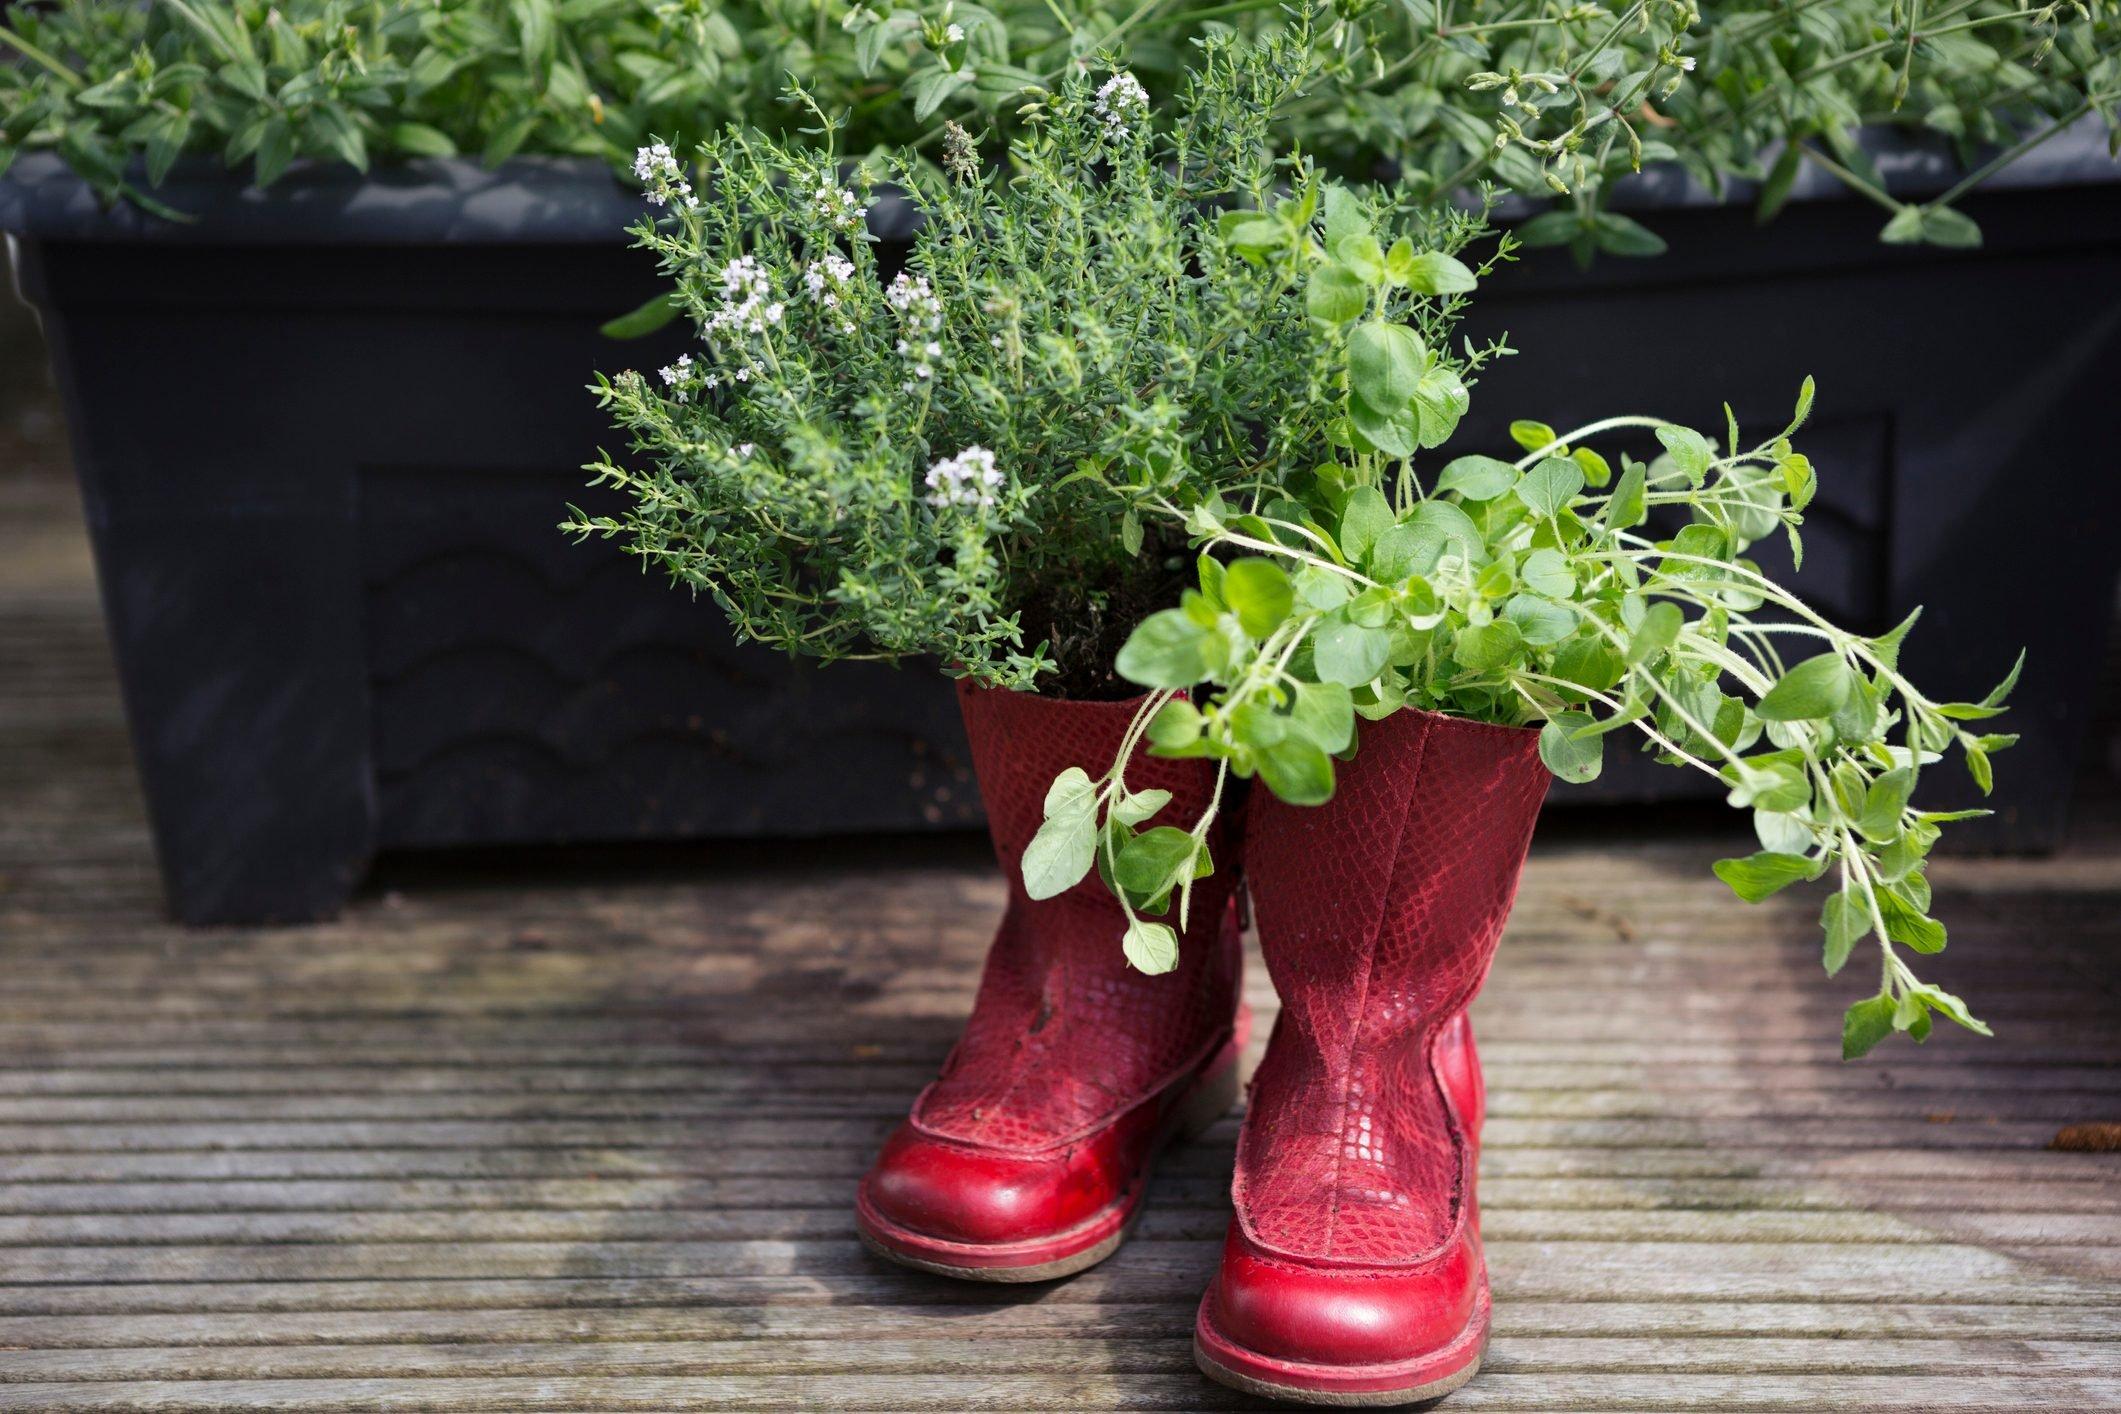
(1557,587)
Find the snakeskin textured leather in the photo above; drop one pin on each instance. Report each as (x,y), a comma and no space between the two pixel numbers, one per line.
(1378,916)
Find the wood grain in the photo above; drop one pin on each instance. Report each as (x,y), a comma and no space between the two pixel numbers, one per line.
(581,1132)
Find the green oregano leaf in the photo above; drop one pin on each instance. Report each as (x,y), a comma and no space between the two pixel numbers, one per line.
(1844,920)
(1348,653)
(1476,478)
(1812,690)
(1552,484)
(1571,758)
(1169,649)
(1757,876)
(1150,947)
(1865,1024)
(1385,363)
(1260,593)
(1298,770)
(1059,855)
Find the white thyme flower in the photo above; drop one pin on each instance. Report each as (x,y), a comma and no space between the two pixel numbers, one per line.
(1121,100)
(678,372)
(914,298)
(656,167)
(748,308)
(745,449)
(840,208)
(955,34)
(968,479)
(921,313)
(823,274)
(826,278)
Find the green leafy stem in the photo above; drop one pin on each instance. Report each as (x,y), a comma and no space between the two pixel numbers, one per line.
(1536,590)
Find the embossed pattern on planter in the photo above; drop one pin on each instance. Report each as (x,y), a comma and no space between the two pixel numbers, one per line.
(1378,916)
(1065,1035)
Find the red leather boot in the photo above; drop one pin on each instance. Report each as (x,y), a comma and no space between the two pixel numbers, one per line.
(1027,1157)
(1352,1273)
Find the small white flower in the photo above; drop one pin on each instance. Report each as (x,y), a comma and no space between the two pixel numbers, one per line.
(839,208)
(825,278)
(921,314)
(967,479)
(913,297)
(656,167)
(678,377)
(955,34)
(748,308)
(1121,100)
(744,449)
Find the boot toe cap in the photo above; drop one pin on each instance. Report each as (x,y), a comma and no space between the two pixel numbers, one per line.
(964,1194)
(1286,1309)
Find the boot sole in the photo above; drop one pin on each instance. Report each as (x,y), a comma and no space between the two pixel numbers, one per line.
(1211,1097)
(1343,1386)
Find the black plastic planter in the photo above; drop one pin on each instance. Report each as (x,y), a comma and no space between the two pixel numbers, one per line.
(325,434)
(1960,393)
(324,440)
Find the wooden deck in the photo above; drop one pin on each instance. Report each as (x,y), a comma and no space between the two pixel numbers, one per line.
(536,1133)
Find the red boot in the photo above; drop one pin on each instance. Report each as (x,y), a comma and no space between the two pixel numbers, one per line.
(1027,1158)
(1353,1272)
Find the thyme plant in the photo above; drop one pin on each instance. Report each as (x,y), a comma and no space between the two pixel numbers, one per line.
(1532,590)
(860,464)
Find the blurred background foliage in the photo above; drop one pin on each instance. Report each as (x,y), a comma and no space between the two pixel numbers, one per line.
(1553,100)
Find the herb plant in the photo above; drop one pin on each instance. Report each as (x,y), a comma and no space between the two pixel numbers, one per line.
(1526,591)
(856,465)
(1143,336)
(1552,98)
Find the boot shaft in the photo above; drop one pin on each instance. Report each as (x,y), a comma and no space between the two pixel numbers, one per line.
(1020,741)
(1378,915)
(1065,1034)
(1395,891)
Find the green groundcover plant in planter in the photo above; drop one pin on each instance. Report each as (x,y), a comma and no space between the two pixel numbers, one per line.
(1143,337)
(1555,101)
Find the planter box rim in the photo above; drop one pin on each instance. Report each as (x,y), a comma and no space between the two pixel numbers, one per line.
(1915,165)
(578,200)
(422,202)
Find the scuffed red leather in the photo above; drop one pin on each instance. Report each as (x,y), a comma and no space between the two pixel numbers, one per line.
(1048,1107)
(1355,1240)
(982,1197)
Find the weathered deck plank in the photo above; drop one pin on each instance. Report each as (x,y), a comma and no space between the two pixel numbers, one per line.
(584,1135)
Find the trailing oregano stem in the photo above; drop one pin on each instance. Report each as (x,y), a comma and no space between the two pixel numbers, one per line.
(1558,588)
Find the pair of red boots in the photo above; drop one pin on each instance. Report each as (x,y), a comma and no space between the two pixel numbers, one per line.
(1352,1273)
